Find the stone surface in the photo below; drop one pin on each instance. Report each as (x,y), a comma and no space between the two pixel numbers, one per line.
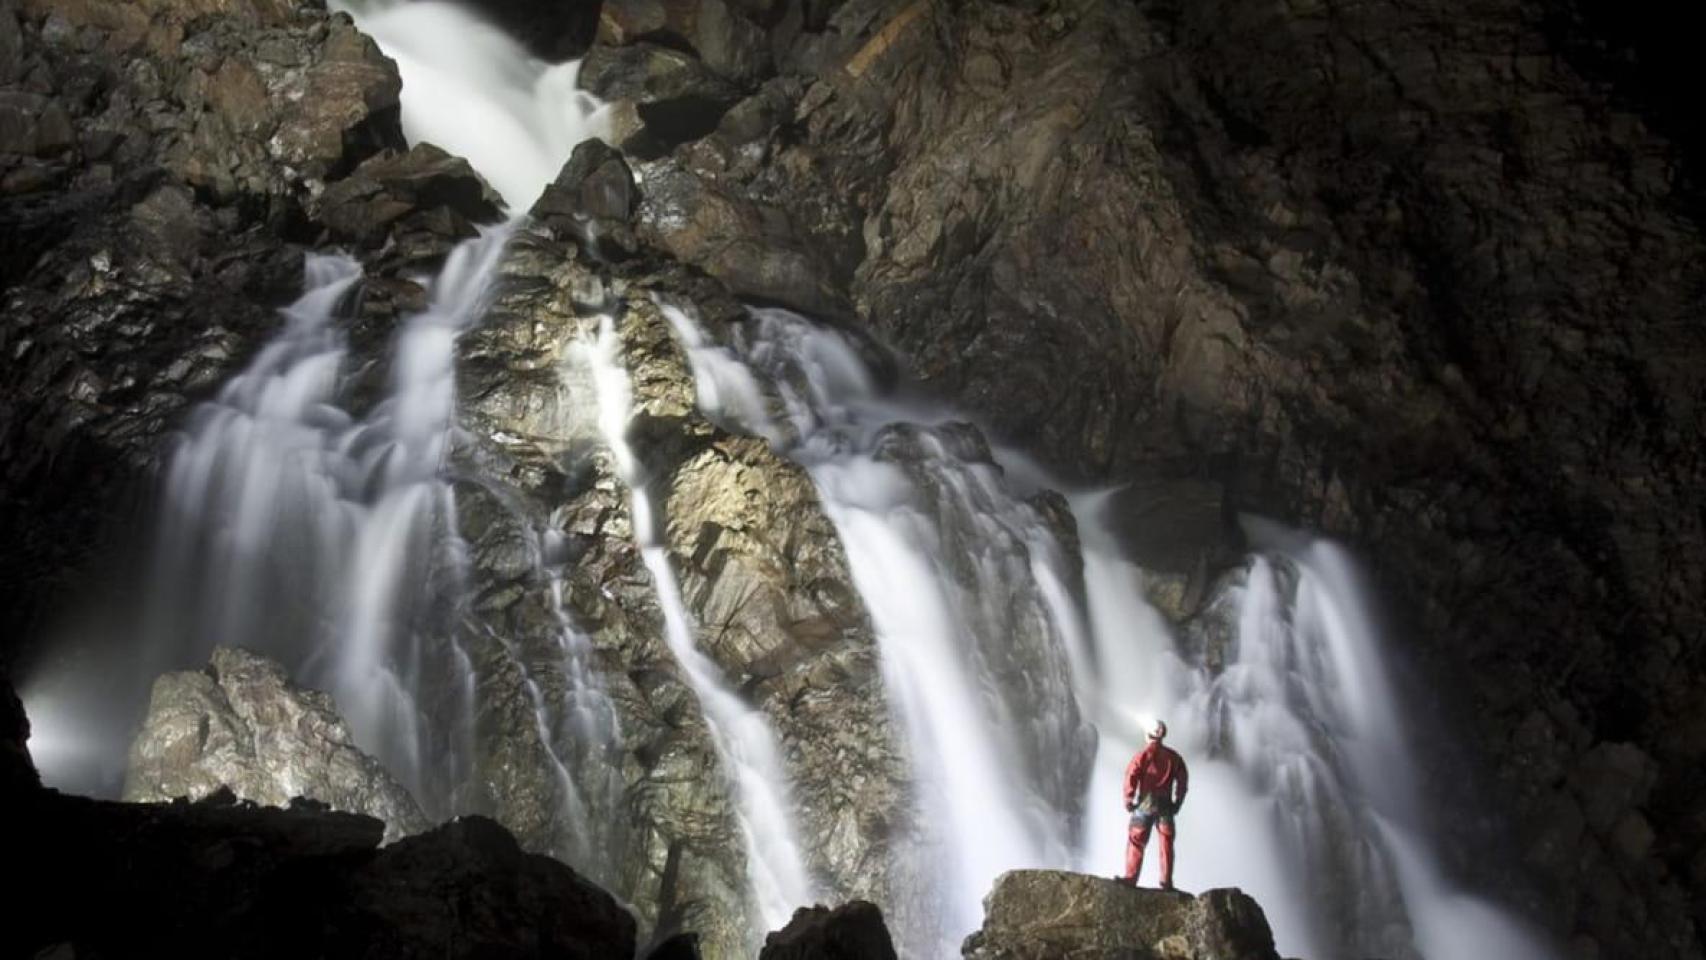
(852,931)
(1046,914)
(219,878)
(241,725)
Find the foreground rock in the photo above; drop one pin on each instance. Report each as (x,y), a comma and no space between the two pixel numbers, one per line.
(1048,914)
(228,879)
(853,931)
(242,725)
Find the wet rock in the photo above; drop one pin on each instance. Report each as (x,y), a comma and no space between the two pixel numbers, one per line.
(1038,914)
(242,725)
(677,97)
(142,257)
(727,36)
(853,931)
(392,195)
(592,199)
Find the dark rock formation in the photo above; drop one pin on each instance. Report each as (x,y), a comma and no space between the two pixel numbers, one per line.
(852,931)
(218,878)
(241,725)
(1044,914)
(223,878)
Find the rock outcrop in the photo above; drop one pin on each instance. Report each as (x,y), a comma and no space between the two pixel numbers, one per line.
(218,878)
(241,725)
(1046,914)
(853,931)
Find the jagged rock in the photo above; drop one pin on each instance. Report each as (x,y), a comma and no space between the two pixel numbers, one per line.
(392,194)
(141,260)
(222,878)
(242,725)
(677,97)
(1045,914)
(852,931)
(725,35)
(593,200)
(17,770)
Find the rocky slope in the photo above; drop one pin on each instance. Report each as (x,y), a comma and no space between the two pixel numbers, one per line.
(242,726)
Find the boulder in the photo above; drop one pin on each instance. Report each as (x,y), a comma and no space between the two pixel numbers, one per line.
(852,931)
(593,199)
(1048,914)
(421,190)
(677,97)
(243,725)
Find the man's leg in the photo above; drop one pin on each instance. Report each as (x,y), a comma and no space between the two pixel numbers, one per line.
(1136,838)
(1166,828)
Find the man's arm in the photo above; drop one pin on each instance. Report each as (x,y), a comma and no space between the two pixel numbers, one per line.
(1132,770)
(1181,783)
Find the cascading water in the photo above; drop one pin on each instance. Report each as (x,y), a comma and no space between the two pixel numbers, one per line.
(942,553)
(472,90)
(746,745)
(327,540)
(1301,790)
(1304,788)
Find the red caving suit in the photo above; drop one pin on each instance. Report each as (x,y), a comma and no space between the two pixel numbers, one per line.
(1158,779)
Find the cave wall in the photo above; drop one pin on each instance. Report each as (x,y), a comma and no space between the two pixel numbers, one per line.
(1421,276)
(1409,274)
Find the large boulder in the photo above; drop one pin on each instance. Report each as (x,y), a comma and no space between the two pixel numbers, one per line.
(853,931)
(242,725)
(1048,914)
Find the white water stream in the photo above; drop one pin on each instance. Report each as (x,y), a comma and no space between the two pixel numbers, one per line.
(294,525)
(1303,789)
(746,746)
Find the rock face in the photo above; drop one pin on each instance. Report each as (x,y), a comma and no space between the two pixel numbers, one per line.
(241,725)
(1046,914)
(760,569)
(1429,292)
(156,171)
(853,931)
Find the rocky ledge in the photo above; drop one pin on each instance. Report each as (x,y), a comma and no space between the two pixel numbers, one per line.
(1049,914)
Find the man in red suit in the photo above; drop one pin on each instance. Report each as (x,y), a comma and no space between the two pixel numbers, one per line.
(1155,785)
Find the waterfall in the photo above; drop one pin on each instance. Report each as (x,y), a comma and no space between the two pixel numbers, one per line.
(946,558)
(472,90)
(1303,789)
(746,746)
(329,540)
(1304,786)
